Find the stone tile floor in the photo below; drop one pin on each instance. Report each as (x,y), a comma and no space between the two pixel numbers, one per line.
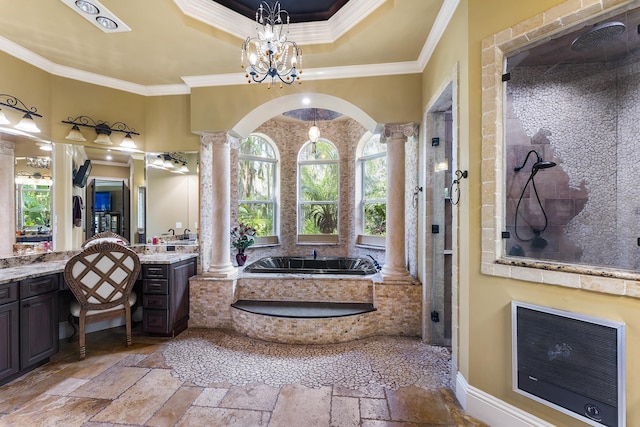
(219,378)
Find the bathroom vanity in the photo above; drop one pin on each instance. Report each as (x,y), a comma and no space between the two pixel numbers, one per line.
(29,309)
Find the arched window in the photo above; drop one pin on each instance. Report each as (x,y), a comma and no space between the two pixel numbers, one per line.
(318,192)
(371,190)
(258,185)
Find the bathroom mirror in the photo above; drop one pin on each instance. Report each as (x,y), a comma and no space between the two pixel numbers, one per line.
(169,198)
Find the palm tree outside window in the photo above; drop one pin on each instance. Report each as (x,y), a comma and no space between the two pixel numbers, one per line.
(318,192)
(258,186)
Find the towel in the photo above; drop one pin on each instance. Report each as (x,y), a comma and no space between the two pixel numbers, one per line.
(77,211)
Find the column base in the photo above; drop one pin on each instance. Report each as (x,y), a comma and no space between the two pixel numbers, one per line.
(395,275)
(221,272)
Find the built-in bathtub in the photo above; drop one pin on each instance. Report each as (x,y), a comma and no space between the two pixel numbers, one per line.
(310,265)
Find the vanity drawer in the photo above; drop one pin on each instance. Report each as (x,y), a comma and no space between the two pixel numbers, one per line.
(152,271)
(155,301)
(154,286)
(38,285)
(155,321)
(8,292)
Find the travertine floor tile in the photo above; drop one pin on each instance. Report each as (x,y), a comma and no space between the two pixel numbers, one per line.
(66,386)
(298,405)
(345,411)
(374,409)
(211,397)
(259,397)
(415,404)
(111,383)
(204,416)
(49,410)
(175,407)
(142,400)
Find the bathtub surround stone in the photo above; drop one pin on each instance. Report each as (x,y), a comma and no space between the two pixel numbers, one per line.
(395,136)
(221,266)
(398,306)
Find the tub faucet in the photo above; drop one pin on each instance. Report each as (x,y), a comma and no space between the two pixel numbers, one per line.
(173,232)
(314,253)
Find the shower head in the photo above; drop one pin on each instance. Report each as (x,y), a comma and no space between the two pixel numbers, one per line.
(542,165)
(597,36)
(539,164)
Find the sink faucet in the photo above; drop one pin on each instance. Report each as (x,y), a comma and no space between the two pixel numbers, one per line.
(173,232)
(314,253)
(185,236)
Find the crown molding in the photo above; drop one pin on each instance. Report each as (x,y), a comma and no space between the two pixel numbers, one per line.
(310,74)
(439,26)
(306,33)
(353,71)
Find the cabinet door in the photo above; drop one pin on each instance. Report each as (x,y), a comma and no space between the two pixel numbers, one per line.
(179,294)
(38,328)
(9,333)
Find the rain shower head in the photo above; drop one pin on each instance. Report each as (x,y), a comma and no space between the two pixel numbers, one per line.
(597,36)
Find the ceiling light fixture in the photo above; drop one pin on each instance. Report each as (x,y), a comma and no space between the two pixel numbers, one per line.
(103,130)
(27,123)
(314,131)
(270,56)
(96,13)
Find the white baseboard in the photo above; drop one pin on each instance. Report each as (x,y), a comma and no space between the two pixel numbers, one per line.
(491,410)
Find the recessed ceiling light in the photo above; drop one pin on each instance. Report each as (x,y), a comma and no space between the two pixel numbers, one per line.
(96,13)
(107,23)
(87,7)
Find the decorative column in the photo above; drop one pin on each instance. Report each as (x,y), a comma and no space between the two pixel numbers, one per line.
(395,136)
(7,202)
(220,207)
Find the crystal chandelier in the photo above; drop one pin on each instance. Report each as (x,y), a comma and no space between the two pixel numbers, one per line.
(270,56)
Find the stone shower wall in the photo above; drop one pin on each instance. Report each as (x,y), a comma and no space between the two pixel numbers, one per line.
(584,118)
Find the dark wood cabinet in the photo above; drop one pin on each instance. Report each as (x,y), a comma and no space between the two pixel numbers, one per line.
(28,324)
(165,297)
(9,331)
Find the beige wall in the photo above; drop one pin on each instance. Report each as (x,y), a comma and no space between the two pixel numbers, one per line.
(484,317)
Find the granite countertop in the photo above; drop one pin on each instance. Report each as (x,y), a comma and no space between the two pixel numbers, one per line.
(37,269)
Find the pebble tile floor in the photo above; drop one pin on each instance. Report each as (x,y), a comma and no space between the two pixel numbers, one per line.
(219,378)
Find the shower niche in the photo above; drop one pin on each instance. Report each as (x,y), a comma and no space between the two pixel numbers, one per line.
(571,126)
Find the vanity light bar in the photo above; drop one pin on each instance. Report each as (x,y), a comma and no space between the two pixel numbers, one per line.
(94,12)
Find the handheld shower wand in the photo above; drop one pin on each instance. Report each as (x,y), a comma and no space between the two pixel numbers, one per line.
(536,240)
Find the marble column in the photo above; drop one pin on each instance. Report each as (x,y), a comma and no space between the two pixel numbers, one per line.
(8,201)
(220,206)
(395,136)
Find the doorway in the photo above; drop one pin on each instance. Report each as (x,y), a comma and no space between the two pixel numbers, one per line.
(439,219)
(109,207)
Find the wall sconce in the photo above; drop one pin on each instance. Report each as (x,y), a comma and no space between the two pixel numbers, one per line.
(27,178)
(103,130)
(174,162)
(27,123)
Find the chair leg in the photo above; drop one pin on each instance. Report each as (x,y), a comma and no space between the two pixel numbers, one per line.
(127,311)
(72,323)
(83,349)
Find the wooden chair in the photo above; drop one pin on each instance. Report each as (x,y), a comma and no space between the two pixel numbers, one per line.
(101,278)
(105,236)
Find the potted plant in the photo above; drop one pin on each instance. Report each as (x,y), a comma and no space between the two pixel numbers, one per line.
(242,236)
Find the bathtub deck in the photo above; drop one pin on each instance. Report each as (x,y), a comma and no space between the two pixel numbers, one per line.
(303,309)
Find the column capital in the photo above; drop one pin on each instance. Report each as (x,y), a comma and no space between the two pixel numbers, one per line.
(399,131)
(7,148)
(215,138)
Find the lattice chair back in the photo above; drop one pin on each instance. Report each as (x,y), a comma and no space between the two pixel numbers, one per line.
(105,236)
(102,278)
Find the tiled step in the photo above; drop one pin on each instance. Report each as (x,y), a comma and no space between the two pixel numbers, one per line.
(303,309)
